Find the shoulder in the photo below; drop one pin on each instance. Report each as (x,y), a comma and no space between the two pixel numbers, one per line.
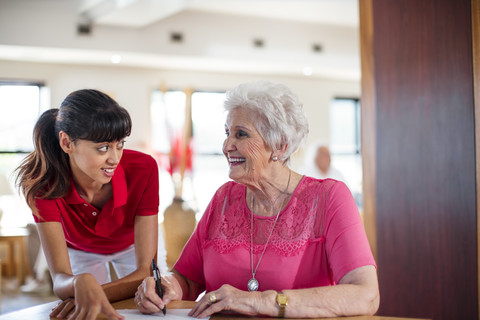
(132,158)
(322,184)
(229,189)
(226,196)
(312,188)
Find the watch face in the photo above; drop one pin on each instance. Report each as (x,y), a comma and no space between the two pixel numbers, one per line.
(282,299)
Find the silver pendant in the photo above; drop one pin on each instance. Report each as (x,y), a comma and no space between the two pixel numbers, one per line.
(252,285)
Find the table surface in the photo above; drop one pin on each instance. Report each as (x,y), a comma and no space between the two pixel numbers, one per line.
(42,311)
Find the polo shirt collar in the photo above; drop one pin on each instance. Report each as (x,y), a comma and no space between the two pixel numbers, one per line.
(119,189)
(73,197)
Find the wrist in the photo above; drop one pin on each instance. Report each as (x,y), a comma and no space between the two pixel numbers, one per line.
(282,302)
(82,277)
(265,303)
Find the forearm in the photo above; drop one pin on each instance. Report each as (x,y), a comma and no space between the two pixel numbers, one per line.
(330,301)
(356,294)
(125,287)
(190,289)
(146,238)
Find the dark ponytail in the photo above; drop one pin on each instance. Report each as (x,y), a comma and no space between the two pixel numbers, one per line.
(84,114)
(45,172)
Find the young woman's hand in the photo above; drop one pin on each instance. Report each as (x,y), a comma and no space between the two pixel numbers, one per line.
(63,309)
(90,301)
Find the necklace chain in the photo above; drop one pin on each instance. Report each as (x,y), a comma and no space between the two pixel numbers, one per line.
(253,283)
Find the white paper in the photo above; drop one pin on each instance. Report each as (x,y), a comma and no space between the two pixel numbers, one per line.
(172,314)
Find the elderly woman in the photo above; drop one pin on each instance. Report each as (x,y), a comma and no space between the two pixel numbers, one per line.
(272,242)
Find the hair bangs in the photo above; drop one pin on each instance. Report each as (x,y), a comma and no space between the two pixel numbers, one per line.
(109,126)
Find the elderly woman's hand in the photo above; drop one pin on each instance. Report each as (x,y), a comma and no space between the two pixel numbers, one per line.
(147,299)
(228,298)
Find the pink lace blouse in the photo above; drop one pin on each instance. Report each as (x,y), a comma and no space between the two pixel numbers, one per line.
(318,238)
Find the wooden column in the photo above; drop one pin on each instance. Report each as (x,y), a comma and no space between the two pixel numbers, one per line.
(368,123)
(419,129)
(476,91)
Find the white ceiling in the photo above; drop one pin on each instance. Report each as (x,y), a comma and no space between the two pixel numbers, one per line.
(218,35)
(140,13)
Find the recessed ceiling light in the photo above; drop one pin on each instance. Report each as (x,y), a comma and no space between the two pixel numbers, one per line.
(307,71)
(116,58)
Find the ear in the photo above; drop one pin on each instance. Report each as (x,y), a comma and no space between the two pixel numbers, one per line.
(280,152)
(65,143)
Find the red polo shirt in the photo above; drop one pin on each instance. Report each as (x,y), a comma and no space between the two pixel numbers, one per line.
(134,192)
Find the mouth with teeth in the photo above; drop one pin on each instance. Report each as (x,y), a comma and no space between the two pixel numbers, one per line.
(109,171)
(234,161)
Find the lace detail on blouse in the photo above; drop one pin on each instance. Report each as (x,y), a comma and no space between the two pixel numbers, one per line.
(301,221)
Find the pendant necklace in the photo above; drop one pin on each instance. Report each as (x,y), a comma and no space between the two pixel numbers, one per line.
(253,283)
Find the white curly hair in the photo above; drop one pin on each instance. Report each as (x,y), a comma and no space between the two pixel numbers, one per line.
(278,113)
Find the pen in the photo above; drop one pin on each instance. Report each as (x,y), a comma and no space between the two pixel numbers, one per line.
(158,281)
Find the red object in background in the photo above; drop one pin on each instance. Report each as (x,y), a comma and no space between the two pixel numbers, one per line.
(172,161)
(175,154)
(189,155)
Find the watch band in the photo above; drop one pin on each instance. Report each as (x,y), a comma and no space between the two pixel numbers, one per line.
(282,302)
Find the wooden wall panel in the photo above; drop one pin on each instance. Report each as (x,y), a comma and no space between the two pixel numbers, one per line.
(425,184)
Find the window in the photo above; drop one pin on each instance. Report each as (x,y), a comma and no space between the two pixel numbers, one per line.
(206,166)
(21,104)
(345,126)
(210,169)
(167,111)
(208,118)
(345,143)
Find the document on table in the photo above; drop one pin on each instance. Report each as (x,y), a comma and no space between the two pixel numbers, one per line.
(172,314)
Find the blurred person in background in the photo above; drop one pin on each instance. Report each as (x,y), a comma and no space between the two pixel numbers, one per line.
(320,166)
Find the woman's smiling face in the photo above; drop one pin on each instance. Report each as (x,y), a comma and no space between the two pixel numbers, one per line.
(247,153)
(95,162)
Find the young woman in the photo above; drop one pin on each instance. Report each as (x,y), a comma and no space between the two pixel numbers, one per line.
(94,202)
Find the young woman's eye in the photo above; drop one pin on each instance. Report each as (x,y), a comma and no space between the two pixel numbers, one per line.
(103,148)
(121,144)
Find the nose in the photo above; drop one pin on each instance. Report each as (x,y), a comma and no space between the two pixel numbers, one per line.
(114,156)
(228,145)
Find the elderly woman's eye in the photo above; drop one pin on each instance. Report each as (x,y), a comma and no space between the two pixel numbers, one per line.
(242,133)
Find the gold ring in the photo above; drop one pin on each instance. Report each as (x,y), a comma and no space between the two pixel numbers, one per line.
(213,298)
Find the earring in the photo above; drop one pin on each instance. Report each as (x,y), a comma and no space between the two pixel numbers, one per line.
(274,158)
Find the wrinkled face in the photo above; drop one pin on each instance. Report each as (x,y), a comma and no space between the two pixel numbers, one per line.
(95,162)
(247,153)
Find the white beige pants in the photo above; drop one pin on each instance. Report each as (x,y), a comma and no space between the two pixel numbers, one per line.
(97,264)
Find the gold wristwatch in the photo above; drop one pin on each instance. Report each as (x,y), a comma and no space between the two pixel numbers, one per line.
(282,301)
